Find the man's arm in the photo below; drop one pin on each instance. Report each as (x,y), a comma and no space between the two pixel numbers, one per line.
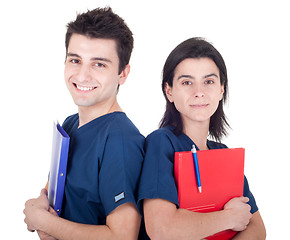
(164,221)
(122,223)
(255,230)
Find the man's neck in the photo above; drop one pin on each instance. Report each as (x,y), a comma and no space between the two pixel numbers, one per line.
(87,114)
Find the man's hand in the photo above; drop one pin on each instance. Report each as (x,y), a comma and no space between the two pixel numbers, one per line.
(43,235)
(240,212)
(33,210)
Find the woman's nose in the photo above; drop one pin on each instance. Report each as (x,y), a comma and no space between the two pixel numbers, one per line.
(198,91)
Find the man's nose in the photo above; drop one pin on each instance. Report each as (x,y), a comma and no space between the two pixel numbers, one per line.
(84,74)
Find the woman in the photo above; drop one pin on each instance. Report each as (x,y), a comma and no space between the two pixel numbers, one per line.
(195,88)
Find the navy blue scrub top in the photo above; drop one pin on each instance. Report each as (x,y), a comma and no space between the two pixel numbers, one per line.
(157,177)
(104,165)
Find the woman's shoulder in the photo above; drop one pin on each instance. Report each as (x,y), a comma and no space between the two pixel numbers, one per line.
(215,145)
(165,138)
(164,132)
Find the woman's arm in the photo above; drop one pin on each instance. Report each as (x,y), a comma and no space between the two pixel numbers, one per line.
(255,230)
(122,223)
(164,221)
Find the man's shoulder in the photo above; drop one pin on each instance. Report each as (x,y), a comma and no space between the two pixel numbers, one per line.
(70,121)
(121,123)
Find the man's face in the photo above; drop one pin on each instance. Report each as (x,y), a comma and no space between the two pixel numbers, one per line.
(91,71)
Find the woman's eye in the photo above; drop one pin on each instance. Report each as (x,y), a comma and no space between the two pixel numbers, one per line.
(186,83)
(209,82)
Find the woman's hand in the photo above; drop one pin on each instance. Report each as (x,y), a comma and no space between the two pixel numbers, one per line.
(240,213)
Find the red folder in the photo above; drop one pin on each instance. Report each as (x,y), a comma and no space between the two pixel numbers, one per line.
(221,176)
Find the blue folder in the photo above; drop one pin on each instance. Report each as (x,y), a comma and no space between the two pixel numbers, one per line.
(58,165)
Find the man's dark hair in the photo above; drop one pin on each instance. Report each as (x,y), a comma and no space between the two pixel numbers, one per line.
(103,23)
(195,48)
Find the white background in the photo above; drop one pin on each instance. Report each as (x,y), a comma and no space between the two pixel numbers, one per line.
(252,36)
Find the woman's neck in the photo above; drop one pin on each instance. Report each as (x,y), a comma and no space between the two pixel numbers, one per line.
(198,133)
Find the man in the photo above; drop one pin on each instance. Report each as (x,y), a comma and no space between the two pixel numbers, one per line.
(106,149)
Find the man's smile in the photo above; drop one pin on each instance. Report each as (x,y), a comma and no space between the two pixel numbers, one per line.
(84,88)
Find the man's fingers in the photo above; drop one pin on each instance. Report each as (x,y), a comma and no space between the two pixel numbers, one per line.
(51,210)
(43,192)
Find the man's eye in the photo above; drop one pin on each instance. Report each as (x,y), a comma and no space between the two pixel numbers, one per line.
(99,65)
(74,61)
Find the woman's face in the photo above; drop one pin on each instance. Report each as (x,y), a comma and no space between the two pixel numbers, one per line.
(196,90)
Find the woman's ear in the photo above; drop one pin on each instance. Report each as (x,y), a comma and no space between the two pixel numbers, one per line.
(168,91)
(124,74)
(222,92)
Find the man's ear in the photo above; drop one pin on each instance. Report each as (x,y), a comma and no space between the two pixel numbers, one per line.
(124,74)
(168,91)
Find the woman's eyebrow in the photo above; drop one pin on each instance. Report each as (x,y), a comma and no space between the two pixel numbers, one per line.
(185,76)
(211,75)
(192,77)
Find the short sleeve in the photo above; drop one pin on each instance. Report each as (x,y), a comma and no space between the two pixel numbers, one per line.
(157,177)
(247,193)
(120,169)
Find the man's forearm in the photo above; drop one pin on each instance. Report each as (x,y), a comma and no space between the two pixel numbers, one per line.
(63,229)
(122,223)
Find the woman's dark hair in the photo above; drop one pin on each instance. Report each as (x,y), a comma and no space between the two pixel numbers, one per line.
(103,23)
(195,48)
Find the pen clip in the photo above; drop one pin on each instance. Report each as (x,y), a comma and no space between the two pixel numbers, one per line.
(193,149)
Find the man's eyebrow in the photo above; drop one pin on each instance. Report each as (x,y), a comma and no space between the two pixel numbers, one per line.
(73,55)
(92,59)
(101,59)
